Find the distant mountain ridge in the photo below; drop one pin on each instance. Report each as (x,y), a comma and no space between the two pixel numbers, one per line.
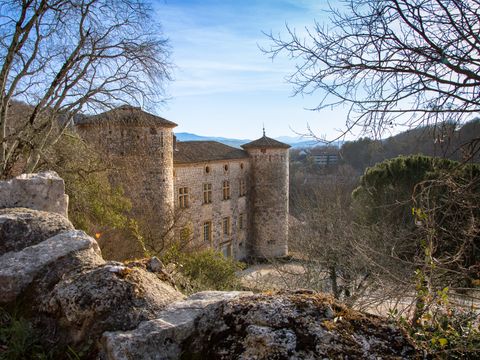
(184,136)
(296,142)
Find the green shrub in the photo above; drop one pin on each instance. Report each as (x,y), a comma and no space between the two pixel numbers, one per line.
(18,339)
(443,330)
(205,270)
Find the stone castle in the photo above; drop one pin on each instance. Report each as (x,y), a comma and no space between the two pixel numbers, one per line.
(231,199)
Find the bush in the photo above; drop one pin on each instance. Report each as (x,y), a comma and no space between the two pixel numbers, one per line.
(94,203)
(443,330)
(205,270)
(18,339)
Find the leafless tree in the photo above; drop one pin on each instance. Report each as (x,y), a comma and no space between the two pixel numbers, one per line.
(67,56)
(324,233)
(393,62)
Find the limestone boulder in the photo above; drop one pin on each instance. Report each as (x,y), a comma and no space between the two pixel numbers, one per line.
(279,326)
(21,227)
(43,191)
(164,337)
(296,326)
(37,267)
(106,298)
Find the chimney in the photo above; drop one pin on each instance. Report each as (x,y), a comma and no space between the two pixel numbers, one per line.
(174,142)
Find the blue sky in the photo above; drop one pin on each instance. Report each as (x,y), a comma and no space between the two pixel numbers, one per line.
(223,84)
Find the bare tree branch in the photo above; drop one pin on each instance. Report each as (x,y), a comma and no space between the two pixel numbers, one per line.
(63,57)
(392,61)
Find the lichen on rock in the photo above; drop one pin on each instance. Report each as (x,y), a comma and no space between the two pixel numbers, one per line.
(21,227)
(232,325)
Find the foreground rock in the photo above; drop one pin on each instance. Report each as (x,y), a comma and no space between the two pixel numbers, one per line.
(44,191)
(244,326)
(109,297)
(20,227)
(163,337)
(66,252)
(57,278)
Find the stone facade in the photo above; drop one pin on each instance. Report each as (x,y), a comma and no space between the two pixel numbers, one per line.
(233,200)
(228,218)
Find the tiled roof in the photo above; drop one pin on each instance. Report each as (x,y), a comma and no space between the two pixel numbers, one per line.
(265,142)
(126,114)
(187,152)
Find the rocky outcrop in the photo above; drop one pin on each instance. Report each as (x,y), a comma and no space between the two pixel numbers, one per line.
(109,297)
(57,278)
(43,191)
(22,227)
(294,325)
(164,337)
(19,269)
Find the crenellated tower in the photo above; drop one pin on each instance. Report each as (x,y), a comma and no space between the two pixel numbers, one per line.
(269,197)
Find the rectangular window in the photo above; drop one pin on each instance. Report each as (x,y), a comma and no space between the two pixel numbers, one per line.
(243,187)
(226,226)
(241,221)
(226,190)
(183,197)
(207,193)
(207,232)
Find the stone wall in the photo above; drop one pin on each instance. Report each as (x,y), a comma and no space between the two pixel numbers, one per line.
(143,159)
(193,176)
(44,191)
(269,177)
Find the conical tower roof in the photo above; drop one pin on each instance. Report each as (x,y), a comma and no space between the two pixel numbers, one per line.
(266,142)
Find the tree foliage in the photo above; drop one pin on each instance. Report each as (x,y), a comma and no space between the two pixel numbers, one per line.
(435,200)
(66,56)
(94,204)
(386,191)
(391,61)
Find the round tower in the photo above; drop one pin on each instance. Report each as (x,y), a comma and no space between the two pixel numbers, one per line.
(140,146)
(269,197)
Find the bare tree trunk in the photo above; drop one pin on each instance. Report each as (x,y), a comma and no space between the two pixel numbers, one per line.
(62,56)
(332,271)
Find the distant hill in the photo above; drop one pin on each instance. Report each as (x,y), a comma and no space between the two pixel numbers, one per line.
(183,136)
(444,140)
(295,142)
